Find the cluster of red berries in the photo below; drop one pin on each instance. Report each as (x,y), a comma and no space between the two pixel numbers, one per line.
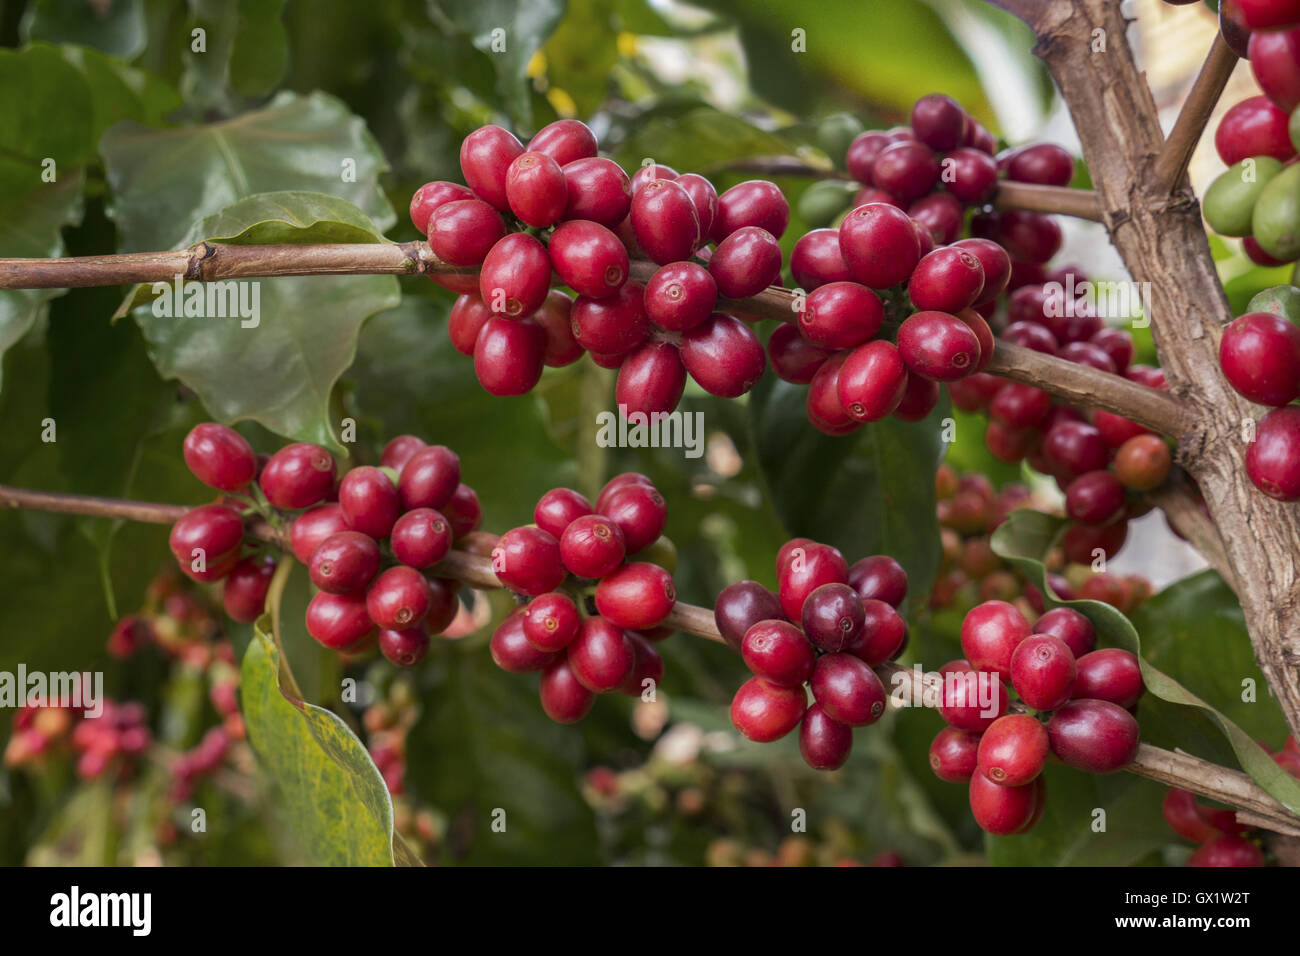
(969,511)
(387,723)
(556,206)
(1260,357)
(552,563)
(111,742)
(848,624)
(1087,697)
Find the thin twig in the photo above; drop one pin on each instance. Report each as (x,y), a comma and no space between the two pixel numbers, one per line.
(1171,164)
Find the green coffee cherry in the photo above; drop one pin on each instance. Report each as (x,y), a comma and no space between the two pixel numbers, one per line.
(835,133)
(1282,300)
(662,552)
(1276,222)
(1229,203)
(825,199)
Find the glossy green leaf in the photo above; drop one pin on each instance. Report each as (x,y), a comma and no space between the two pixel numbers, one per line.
(328,790)
(245,49)
(698,140)
(121,92)
(1025,537)
(117,28)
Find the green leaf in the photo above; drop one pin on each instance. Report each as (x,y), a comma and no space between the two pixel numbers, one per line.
(121,92)
(165,181)
(871,492)
(29,140)
(698,140)
(1025,537)
(116,28)
(282,370)
(582,51)
(246,49)
(509,32)
(329,792)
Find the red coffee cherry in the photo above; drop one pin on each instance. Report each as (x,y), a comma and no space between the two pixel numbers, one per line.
(462,232)
(740,606)
(564,698)
(746,262)
(1260,356)
(840,315)
(764,712)
(338,621)
(1227,850)
(793,357)
(219,457)
(432,195)
(601,655)
(565,141)
(370,501)
(421,538)
(466,319)
(527,560)
(244,594)
(429,479)
(816,259)
(1072,449)
(947,280)
(592,546)
(485,157)
(833,617)
(515,277)
(509,356)
(312,527)
(971,699)
(399,598)
(345,563)
(995,264)
(954,754)
(871,381)
(723,355)
(298,476)
(705,199)
(881,577)
(651,379)
(1109,674)
(1001,810)
(939,122)
(1013,750)
(555,318)
(938,345)
(939,219)
(990,634)
(1083,544)
(680,296)
(206,540)
(778,651)
(863,151)
(613,324)
(649,173)
(557,508)
(589,258)
(513,652)
(637,596)
(641,514)
(908,170)
(1273,57)
(1143,462)
(1186,817)
(400,450)
(920,396)
(1042,671)
(1254,127)
(1019,406)
(883,635)
(1096,498)
(824,742)
(1045,164)
(848,690)
(664,221)
(809,568)
(404,648)
(551,621)
(536,189)
(1093,735)
(1273,458)
(879,245)
(1070,627)
(755,202)
(970,175)
(825,410)
(598,190)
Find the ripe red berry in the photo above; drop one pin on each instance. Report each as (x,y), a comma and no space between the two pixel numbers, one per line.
(1253,127)
(557,508)
(680,296)
(1273,458)
(650,172)
(825,410)
(206,540)
(1143,462)
(1093,735)
(990,634)
(995,264)
(833,617)
(1042,671)
(971,700)
(1186,817)
(466,319)
(879,245)
(298,476)
(564,698)
(421,538)
(404,648)
(971,175)
(746,262)
(1001,810)
(312,527)
(400,450)
(1070,627)
(1072,449)
(779,652)
(1227,850)
(462,232)
(601,655)
(1274,59)
(614,324)
(515,277)
(793,357)
(808,568)
(1013,750)
(345,562)
(1045,164)
(598,190)
(816,259)
(536,189)
(429,478)
(485,156)
(551,621)
(640,512)
(938,345)
(883,635)
(565,141)
(513,652)
(840,315)
(947,280)
(338,621)
(509,356)
(740,606)
(920,396)
(1260,356)
(527,560)
(954,754)
(908,170)
(755,202)
(370,501)
(664,221)
(637,596)
(244,594)
(705,198)
(871,381)
(823,741)
(592,546)
(219,457)
(648,669)
(723,355)
(939,219)
(881,577)
(1109,674)
(399,598)
(651,379)
(1095,498)
(589,258)
(432,195)
(764,712)
(848,690)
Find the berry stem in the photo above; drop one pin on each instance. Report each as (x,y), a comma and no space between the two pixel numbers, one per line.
(1171,164)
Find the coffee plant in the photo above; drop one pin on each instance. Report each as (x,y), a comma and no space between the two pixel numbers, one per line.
(718,368)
